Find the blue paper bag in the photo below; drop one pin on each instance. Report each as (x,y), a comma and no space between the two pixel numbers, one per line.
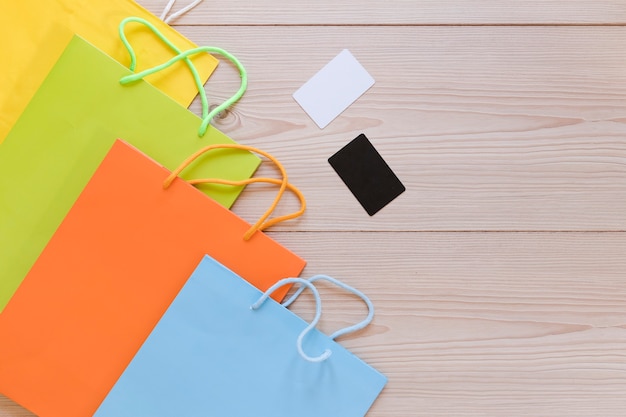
(224,349)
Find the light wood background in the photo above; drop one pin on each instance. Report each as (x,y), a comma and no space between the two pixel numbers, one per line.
(499,276)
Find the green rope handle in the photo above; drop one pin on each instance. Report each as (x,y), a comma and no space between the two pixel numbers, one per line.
(158,34)
(207,116)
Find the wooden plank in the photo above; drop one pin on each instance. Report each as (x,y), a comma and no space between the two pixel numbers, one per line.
(489,128)
(399,12)
(470,324)
(9,409)
(487,324)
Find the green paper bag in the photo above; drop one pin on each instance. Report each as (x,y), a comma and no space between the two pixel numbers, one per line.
(34,34)
(64,133)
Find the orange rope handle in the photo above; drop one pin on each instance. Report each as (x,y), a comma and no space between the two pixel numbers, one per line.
(270,222)
(283,183)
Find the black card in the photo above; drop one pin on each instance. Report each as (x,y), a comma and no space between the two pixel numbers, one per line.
(366,174)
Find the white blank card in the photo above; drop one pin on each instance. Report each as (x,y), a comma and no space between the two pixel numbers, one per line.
(335,87)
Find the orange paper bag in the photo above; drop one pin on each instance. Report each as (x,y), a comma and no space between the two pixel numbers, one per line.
(111,270)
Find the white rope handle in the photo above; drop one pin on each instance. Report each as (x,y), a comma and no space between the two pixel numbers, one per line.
(179,13)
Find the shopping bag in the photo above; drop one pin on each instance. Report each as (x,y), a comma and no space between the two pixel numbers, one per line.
(222,350)
(110,271)
(35,32)
(64,133)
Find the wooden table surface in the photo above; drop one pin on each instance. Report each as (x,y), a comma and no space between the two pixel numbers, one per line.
(499,276)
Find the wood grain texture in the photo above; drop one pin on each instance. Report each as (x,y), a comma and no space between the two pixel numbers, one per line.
(483,324)
(478,324)
(399,12)
(498,276)
(489,128)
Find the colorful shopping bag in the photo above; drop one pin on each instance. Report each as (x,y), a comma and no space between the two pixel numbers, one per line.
(35,32)
(213,354)
(64,133)
(110,271)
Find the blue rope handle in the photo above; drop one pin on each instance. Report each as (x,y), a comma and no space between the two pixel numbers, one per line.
(318,313)
(366,300)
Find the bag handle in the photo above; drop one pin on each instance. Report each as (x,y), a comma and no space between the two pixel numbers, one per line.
(366,300)
(207,116)
(263,222)
(248,181)
(158,34)
(312,324)
(181,12)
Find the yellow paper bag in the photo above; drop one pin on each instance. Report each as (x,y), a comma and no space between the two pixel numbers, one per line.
(35,32)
